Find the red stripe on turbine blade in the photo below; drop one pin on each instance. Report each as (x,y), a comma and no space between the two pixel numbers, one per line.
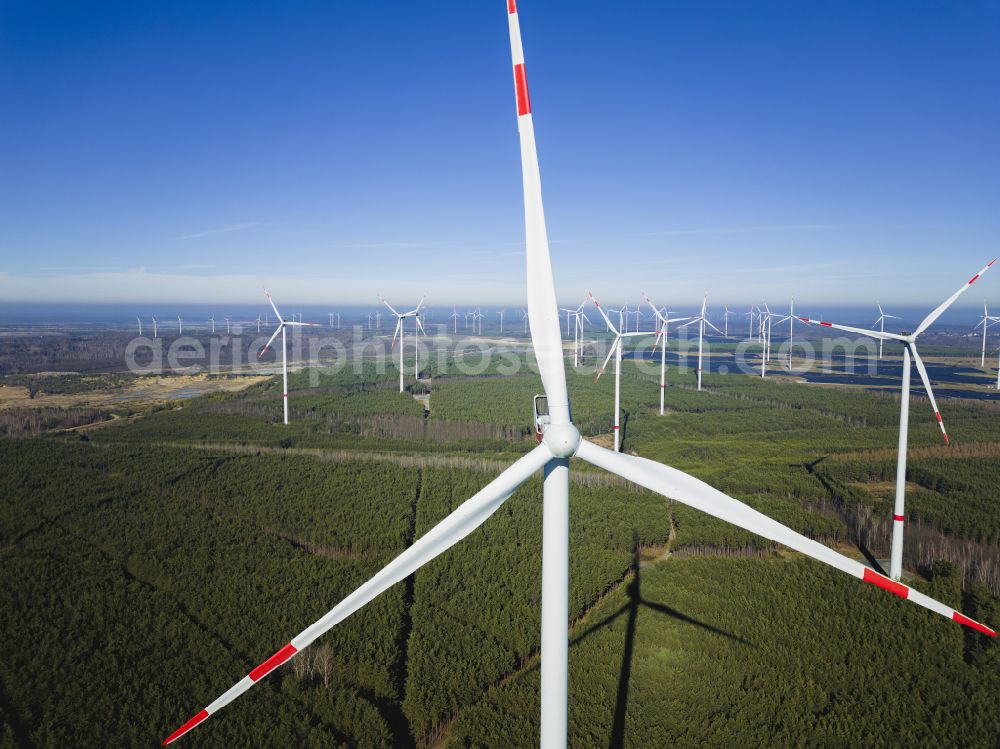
(521,85)
(186,727)
(898,518)
(962,619)
(886,584)
(273,662)
(991,263)
(827,324)
(511,7)
(973,279)
(938,415)
(616,426)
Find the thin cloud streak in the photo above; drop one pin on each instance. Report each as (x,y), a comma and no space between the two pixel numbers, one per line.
(222,230)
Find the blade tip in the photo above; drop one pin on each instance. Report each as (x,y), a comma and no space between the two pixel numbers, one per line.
(191,723)
(973,624)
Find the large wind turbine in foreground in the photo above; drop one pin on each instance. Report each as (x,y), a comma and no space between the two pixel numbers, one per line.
(282,324)
(662,331)
(401,331)
(560,440)
(909,341)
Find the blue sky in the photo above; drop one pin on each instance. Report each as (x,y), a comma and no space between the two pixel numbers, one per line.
(189,152)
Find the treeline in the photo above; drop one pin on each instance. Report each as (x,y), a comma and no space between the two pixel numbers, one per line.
(956,496)
(27,422)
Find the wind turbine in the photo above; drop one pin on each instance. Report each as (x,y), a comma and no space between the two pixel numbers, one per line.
(882,317)
(524,319)
(574,314)
(702,322)
(282,324)
(154,327)
(726,313)
(400,332)
(790,317)
(581,317)
(180,326)
(258,324)
(560,440)
(985,323)
(909,341)
(662,331)
(333,315)
(139,320)
(500,312)
(454,321)
(212,321)
(750,315)
(616,351)
(229,328)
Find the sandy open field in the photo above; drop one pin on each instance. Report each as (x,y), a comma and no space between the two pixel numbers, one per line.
(144,390)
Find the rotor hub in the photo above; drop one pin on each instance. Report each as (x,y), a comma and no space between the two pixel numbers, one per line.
(562,439)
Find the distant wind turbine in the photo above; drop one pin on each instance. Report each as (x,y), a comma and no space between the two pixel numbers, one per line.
(616,351)
(401,331)
(985,323)
(282,324)
(662,331)
(702,321)
(882,317)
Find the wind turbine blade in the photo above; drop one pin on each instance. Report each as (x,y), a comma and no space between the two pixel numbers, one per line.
(543,312)
(656,312)
(611,351)
(420,325)
(270,340)
(278,314)
(929,320)
(395,335)
(930,393)
(695,493)
(305,324)
(382,299)
(603,314)
(709,324)
(861,331)
(466,518)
